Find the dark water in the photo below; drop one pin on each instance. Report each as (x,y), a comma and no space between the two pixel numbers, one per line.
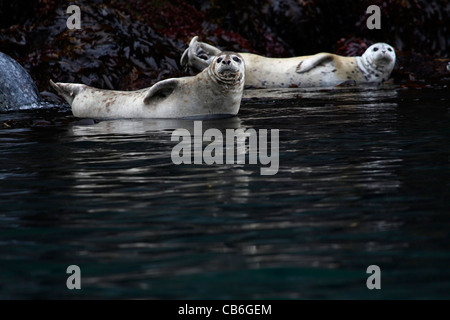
(364,179)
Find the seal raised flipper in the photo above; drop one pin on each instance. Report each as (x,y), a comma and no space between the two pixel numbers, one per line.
(161,89)
(207,51)
(312,62)
(198,55)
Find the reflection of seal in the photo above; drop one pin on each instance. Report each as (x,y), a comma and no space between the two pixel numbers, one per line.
(322,69)
(215,92)
(17,89)
(140,127)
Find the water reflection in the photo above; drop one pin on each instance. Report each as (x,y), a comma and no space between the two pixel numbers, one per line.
(360,93)
(143,126)
(126,155)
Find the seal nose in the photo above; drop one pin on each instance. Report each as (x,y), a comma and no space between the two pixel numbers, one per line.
(226,60)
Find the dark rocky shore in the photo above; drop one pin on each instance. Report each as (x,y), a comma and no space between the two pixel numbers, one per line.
(130,45)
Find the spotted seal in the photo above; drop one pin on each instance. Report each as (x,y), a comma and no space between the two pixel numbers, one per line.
(322,69)
(215,92)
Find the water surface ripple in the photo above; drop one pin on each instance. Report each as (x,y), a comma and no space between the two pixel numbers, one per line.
(363,179)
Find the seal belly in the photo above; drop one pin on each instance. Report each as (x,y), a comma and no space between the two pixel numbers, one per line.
(200,97)
(264,72)
(108,104)
(324,76)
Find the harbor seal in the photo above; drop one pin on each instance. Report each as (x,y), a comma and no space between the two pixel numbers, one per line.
(319,70)
(17,89)
(215,92)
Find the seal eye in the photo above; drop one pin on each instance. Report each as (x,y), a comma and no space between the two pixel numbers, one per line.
(219,60)
(389,49)
(236,59)
(375,49)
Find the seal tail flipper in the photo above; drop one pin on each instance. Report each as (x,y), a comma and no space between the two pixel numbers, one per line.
(198,55)
(312,62)
(67,90)
(161,89)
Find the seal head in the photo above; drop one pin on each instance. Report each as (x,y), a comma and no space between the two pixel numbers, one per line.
(228,68)
(377,62)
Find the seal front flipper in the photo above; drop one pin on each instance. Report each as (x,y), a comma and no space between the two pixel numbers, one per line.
(312,62)
(161,90)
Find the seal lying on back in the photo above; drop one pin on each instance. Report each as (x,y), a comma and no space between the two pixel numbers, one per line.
(322,69)
(215,92)
(17,89)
